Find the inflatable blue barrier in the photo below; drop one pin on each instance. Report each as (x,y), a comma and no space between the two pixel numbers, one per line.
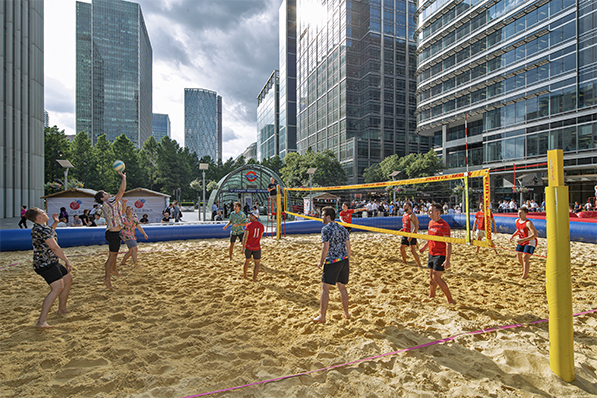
(20,239)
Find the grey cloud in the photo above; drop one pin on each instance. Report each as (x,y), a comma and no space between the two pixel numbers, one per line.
(58,98)
(228,135)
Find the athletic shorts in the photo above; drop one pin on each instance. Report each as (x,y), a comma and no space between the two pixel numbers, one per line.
(255,253)
(525,249)
(234,237)
(130,243)
(436,263)
(336,272)
(113,238)
(404,241)
(52,272)
(479,234)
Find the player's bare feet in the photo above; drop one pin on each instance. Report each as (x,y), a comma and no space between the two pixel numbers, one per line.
(347,315)
(319,319)
(139,268)
(63,312)
(108,283)
(452,302)
(43,325)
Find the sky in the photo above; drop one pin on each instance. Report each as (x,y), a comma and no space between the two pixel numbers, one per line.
(228,46)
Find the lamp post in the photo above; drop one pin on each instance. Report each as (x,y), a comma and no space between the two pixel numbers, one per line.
(67,165)
(203,167)
(393,175)
(311,171)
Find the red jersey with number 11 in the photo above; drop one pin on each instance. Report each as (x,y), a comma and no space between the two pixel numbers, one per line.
(254,229)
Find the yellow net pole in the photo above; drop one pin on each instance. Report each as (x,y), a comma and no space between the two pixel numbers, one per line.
(468,211)
(278,213)
(558,274)
(487,207)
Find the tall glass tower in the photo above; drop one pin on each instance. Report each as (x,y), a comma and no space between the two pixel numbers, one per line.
(161,126)
(268,118)
(523,74)
(114,71)
(22,103)
(287,78)
(355,81)
(203,122)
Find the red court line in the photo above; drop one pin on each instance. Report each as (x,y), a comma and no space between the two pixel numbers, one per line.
(510,250)
(445,340)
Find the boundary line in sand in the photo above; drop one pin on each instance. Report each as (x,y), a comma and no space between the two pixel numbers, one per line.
(440,341)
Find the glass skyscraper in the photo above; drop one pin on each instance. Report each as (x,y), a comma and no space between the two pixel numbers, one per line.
(268,118)
(22,103)
(287,78)
(524,74)
(203,122)
(114,71)
(161,126)
(356,81)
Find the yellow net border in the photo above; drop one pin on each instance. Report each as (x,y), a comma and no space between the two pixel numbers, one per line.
(457,176)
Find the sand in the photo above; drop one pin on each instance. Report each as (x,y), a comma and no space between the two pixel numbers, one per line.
(190,324)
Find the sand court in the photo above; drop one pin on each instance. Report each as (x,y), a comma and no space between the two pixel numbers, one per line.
(189,323)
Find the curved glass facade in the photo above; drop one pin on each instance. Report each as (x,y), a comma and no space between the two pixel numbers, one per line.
(523,72)
(268,119)
(246,184)
(203,122)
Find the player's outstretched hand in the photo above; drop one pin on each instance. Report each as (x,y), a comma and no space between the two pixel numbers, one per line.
(55,217)
(122,174)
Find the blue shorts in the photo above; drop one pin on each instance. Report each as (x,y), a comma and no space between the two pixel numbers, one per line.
(525,249)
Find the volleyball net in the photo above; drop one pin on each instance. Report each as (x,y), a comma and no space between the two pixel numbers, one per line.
(378,207)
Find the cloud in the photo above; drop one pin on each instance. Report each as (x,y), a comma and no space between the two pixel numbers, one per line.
(58,97)
(228,134)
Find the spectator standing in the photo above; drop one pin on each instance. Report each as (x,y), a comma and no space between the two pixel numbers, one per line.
(63,214)
(23,221)
(214,210)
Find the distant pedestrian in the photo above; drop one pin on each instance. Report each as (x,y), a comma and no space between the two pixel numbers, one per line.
(23,217)
(63,214)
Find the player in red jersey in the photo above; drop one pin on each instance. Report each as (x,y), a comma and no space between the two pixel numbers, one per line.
(346,214)
(526,242)
(252,243)
(439,252)
(410,223)
(479,225)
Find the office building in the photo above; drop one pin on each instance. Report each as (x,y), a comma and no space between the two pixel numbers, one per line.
(203,122)
(268,118)
(22,101)
(524,78)
(355,81)
(114,71)
(249,153)
(161,126)
(46,119)
(287,78)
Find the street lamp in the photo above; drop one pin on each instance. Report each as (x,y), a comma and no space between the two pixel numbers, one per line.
(67,165)
(203,167)
(393,175)
(311,171)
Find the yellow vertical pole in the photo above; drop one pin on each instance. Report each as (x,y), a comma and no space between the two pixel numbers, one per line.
(468,214)
(278,213)
(486,206)
(558,275)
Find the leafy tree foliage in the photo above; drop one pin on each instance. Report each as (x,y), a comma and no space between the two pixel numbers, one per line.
(57,146)
(329,171)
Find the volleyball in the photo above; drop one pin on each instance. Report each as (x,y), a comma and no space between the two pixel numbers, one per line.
(118,165)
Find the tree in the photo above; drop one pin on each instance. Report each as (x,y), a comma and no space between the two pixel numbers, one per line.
(373,173)
(81,156)
(56,146)
(274,164)
(124,149)
(148,161)
(329,171)
(104,178)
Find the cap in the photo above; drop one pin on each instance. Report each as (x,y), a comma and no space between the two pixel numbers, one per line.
(255,213)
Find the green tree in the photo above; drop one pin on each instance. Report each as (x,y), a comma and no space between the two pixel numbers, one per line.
(373,173)
(82,158)
(104,177)
(148,161)
(329,171)
(274,164)
(56,146)
(124,149)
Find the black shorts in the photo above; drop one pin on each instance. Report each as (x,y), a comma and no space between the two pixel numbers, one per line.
(436,263)
(405,242)
(52,272)
(234,237)
(113,238)
(255,253)
(336,272)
